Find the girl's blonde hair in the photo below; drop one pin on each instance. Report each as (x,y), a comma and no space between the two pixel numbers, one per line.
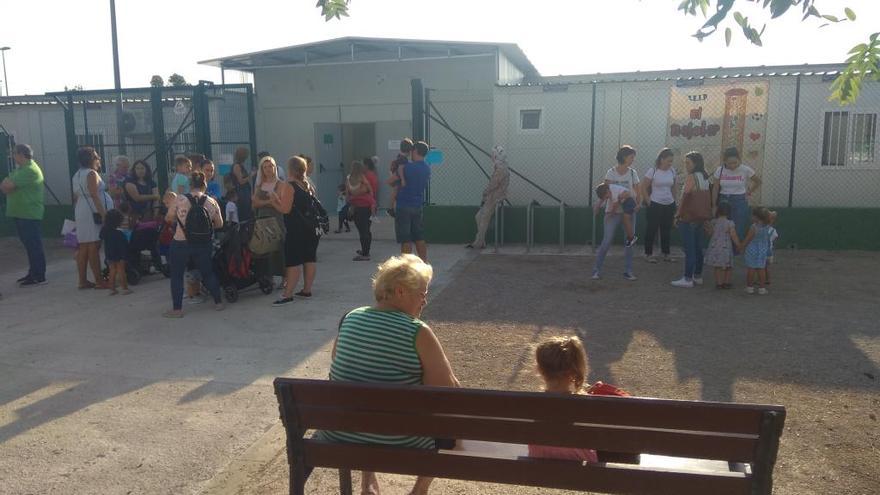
(296,166)
(406,271)
(357,171)
(562,358)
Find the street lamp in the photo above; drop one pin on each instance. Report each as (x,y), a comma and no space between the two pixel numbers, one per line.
(5,80)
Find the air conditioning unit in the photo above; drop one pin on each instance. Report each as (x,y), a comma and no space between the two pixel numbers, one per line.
(137,121)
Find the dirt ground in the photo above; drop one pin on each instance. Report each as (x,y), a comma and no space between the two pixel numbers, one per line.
(812,345)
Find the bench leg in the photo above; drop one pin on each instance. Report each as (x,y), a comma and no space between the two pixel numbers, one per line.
(345,482)
(297,479)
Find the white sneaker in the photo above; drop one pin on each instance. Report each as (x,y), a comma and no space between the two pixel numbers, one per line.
(630,277)
(750,290)
(683,283)
(698,280)
(762,291)
(195,300)
(596,276)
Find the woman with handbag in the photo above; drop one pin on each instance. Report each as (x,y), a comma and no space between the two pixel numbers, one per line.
(90,207)
(301,242)
(694,209)
(269,195)
(362,202)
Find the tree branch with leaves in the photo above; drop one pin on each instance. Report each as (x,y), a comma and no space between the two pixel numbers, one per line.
(863,60)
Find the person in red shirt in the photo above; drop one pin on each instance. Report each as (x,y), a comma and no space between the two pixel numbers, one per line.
(373,179)
(362,200)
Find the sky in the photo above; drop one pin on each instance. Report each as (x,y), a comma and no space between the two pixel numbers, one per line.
(66,43)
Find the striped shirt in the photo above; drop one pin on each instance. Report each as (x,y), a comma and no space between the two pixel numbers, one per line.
(376,346)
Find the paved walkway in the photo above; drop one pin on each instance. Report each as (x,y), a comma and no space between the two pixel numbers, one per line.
(102,395)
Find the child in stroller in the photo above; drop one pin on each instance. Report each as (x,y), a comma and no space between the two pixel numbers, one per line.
(235,266)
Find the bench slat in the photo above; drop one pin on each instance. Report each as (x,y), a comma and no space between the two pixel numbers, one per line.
(701,445)
(621,411)
(541,473)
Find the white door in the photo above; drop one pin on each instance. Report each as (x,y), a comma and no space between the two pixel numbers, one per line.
(388,136)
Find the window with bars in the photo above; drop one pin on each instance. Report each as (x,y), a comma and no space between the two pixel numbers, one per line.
(849,139)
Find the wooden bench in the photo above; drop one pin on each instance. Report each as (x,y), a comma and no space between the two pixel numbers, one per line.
(746,436)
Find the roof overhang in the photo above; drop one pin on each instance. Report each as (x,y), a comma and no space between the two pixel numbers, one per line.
(351,50)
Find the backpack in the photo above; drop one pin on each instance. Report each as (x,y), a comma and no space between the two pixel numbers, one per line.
(316,217)
(198,226)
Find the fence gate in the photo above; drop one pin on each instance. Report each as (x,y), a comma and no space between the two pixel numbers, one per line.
(156,124)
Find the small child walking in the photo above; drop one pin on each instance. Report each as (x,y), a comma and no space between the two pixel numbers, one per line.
(721,243)
(562,364)
(342,208)
(757,247)
(115,249)
(771,257)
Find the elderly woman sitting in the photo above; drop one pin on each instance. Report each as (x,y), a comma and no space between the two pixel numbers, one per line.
(387,343)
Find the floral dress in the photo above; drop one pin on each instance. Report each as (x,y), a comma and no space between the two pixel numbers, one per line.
(758,250)
(720,251)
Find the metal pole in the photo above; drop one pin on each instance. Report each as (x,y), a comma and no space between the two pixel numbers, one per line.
(5,79)
(497,224)
(794,135)
(117,82)
(561,227)
(418,111)
(529,226)
(428,139)
(592,162)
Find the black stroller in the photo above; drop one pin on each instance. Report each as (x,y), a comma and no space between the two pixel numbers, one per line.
(236,267)
(144,256)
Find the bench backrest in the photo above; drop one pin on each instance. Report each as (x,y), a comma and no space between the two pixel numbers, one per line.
(744,433)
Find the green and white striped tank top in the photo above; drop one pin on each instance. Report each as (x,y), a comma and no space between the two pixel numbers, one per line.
(376,346)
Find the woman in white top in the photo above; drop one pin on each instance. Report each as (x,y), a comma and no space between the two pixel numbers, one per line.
(734,182)
(692,232)
(623,175)
(659,189)
(91,204)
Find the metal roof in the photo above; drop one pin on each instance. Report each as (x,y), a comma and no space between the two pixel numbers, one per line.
(689,74)
(359,50)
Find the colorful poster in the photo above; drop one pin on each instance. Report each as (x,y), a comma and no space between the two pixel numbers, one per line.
(710,118)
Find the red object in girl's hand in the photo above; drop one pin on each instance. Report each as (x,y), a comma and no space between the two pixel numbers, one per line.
(600,388)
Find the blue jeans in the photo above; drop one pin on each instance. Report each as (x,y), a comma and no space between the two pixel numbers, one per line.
(179,253)
(692,241)
(739,212)
(31,235)
(611,223)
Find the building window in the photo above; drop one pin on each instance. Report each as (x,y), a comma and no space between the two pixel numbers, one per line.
(530,120)
(849,139)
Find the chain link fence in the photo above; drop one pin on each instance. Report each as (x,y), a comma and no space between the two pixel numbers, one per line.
(561,138)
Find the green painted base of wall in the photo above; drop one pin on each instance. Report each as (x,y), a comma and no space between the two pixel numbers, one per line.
(52,221)
(804,228)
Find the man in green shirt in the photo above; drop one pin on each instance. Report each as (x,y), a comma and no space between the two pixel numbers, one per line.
(24,204)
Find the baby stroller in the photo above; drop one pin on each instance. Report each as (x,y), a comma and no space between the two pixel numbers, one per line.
(236,267)
(143,256)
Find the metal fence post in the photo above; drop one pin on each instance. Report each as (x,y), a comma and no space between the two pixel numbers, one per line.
(200,117)
(159,141)
(794,136)
(252,125)
(70,130)
(428,138)
(561,227)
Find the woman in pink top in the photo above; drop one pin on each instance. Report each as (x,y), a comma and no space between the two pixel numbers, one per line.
(562,364)
(363,202)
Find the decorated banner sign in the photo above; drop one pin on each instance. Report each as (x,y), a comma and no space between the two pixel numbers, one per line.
(714,117)
(434,157)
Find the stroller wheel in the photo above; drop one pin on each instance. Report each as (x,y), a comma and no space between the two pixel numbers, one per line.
(133,275)
(267,286)
(231,293)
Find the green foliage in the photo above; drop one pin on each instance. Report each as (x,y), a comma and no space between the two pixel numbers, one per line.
(863,64)
(333,9)
(863,59)
(176,80)
(157,81)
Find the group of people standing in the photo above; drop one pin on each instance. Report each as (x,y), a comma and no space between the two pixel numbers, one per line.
(701,204)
